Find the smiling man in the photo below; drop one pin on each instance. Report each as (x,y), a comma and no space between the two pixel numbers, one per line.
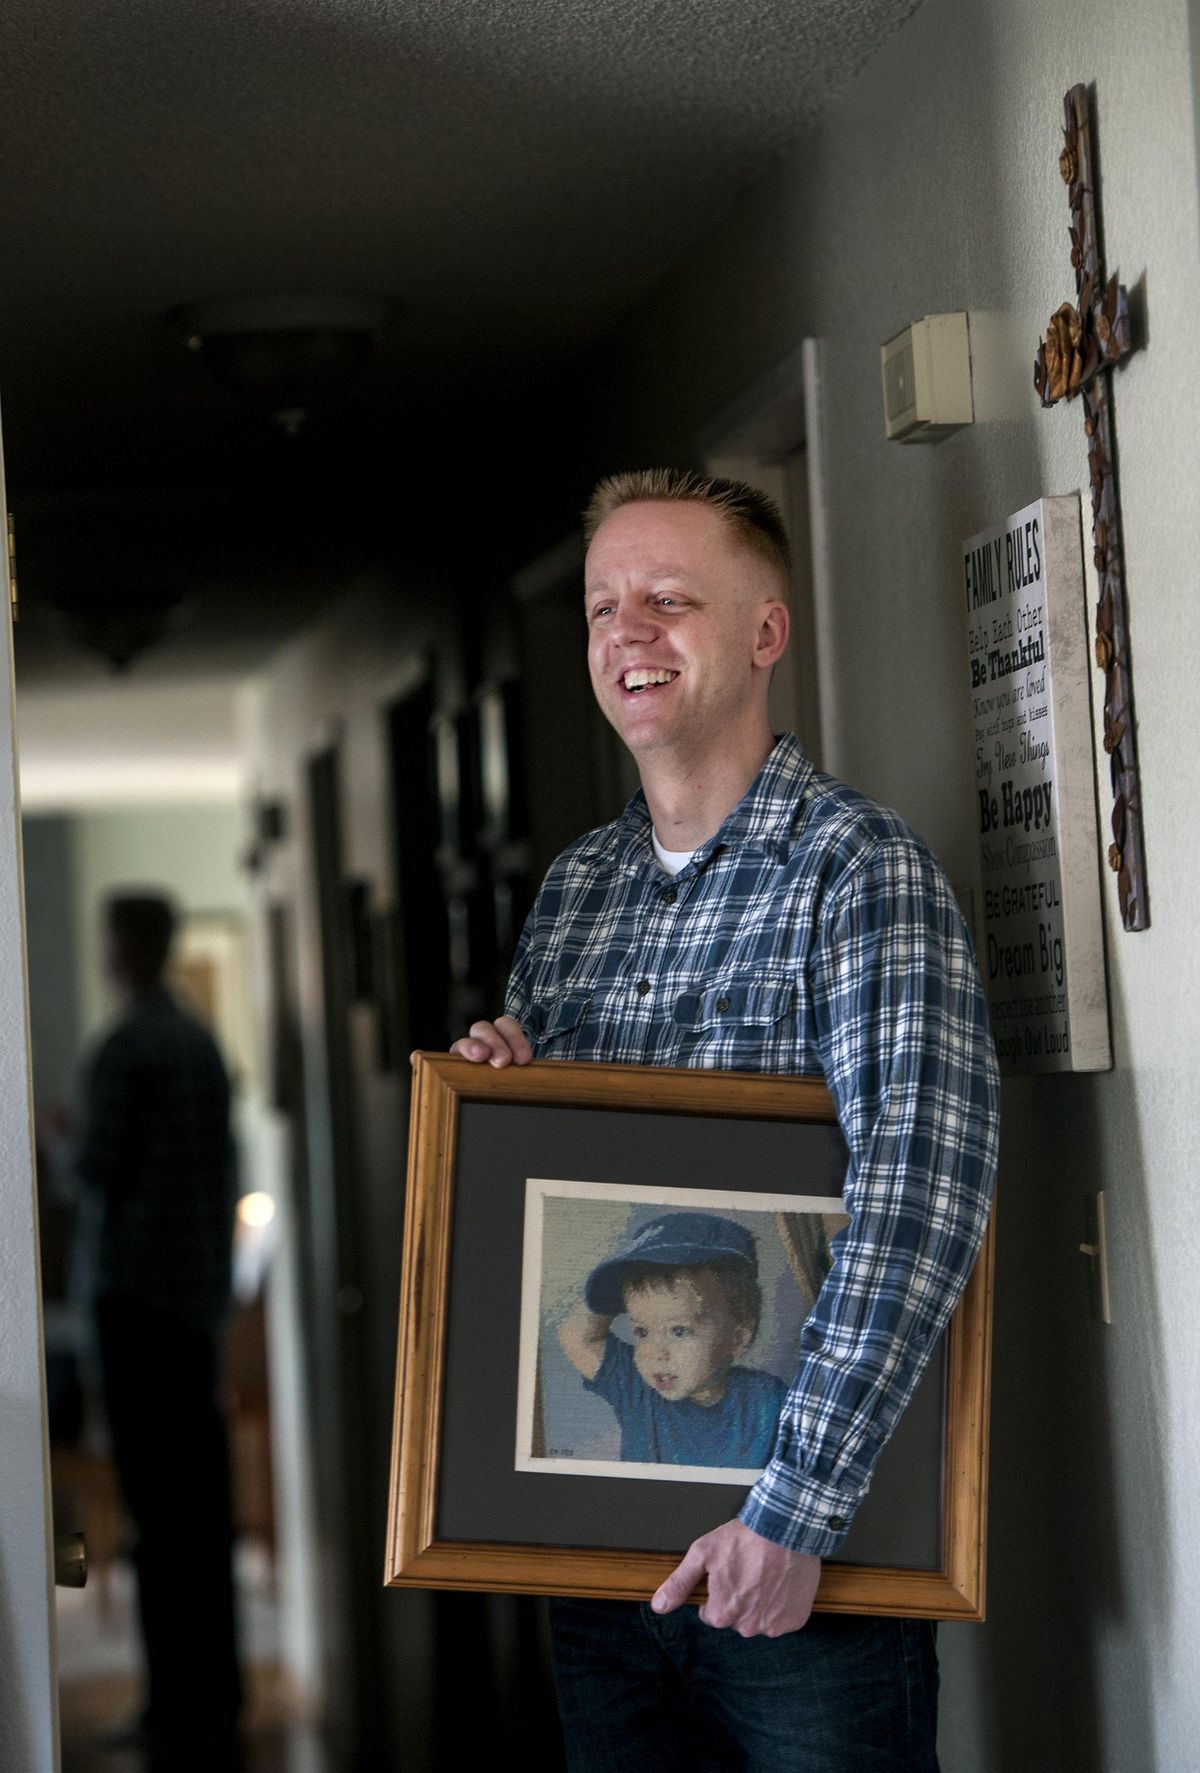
(747,912)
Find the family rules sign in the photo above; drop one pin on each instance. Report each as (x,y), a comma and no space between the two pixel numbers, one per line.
(1041,943)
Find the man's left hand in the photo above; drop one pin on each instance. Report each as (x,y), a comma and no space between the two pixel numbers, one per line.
(755,1587)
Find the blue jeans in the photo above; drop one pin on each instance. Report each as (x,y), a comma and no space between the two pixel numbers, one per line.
(643,1694)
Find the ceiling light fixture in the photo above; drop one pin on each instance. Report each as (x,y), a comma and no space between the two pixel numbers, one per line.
(292,354)
(118,621)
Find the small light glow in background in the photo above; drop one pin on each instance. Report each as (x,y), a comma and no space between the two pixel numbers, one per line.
(256,1209)
(253,1243)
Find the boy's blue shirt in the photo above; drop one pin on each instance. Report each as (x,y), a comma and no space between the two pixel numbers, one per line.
(738,1431)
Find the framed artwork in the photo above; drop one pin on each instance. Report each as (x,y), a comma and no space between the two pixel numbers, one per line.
(660,1326)
(606,1274)
(208,971)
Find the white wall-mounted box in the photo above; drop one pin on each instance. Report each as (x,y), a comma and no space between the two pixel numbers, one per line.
(927,380)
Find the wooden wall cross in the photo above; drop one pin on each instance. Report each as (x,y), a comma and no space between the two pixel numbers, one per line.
(1081,345)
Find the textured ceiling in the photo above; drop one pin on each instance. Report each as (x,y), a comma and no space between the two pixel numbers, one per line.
(512,174)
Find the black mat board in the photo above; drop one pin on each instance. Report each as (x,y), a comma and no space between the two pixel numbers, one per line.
(481,1497)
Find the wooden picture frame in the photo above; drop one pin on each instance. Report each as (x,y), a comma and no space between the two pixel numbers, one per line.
(473,1131)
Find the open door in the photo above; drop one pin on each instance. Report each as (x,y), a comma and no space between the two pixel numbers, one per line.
(28,1673)
(772,436)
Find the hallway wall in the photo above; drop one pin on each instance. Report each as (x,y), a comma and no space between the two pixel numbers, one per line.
(374,1652)
(73,861)
(191,852)
(437,614)
(321,690)
(933,185)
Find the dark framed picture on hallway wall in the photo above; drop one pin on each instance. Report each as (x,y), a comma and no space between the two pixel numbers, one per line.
(606,1274)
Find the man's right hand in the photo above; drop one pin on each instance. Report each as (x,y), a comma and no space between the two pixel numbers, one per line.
(497,1043)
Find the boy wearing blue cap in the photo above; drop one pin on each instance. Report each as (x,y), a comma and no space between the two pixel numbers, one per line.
(689,1283)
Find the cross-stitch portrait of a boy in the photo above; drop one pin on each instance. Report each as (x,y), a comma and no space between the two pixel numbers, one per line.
(661,1331)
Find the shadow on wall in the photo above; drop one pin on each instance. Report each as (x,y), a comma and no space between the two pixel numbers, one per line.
(1067,1464)
(1066,1457)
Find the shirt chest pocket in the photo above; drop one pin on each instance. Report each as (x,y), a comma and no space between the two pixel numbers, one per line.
(743,1021)
(558,1036)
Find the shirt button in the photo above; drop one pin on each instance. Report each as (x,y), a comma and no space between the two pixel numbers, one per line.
(642,986)
(670,896)
(722,1004)
(835,1523)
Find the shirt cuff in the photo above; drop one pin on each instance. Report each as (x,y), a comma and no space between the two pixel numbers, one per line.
(799,1513)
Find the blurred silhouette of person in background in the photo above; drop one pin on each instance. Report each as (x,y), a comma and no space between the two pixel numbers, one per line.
(156,1171)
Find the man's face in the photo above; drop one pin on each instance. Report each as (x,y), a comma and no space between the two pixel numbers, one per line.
(684,1337)
(679,637)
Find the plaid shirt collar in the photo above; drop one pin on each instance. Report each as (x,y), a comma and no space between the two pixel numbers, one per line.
(764,820)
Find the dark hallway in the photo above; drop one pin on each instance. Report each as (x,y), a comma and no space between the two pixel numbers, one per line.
(304,597)
(319,322)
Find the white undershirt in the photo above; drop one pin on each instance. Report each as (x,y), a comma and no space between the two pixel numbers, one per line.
(671,860)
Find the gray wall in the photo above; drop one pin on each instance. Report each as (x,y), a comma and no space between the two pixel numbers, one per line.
(73,861)
(933,185)
(191,852)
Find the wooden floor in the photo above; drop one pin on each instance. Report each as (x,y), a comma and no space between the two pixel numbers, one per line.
(99,1684)
(275,1739)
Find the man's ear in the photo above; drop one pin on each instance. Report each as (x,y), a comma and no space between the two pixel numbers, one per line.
(772,637)
(742,1340)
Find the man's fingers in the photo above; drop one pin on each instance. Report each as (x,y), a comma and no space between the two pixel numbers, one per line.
(495,1043)
(682,1580)
(720,1614)
(514,1035)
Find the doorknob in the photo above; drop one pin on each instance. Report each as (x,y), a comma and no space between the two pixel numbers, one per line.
(70,1560)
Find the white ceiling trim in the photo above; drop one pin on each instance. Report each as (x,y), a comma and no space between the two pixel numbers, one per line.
(129,744)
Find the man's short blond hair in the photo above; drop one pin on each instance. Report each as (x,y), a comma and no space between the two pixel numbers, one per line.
(754,518)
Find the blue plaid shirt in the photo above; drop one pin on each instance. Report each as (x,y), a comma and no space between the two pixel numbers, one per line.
(814,933)
(157,1167)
